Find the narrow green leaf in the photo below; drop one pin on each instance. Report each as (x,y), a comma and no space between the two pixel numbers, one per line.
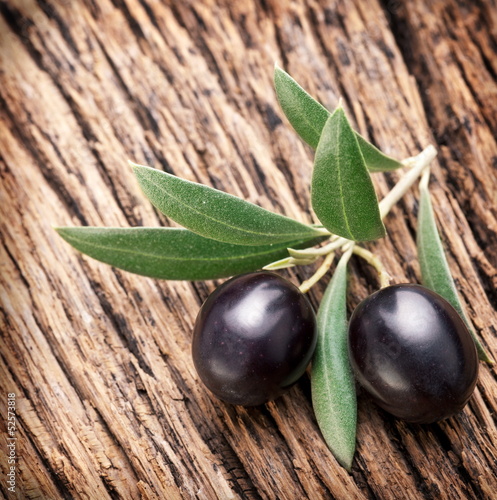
(289,262)
(171,253)
(308,117)
(280,264)
(375,160)
(342,192)
(332,380)
(217,215)
(435,271)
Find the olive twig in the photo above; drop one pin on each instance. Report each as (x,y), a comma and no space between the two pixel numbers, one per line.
(347,249)
(335,243)
(374,261)
(418,164)
(321,271)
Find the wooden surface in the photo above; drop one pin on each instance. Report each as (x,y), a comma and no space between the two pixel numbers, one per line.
(108,403)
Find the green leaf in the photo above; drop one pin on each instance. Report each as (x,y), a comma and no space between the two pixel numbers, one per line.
(171,253)
(308,117)
(375,160)
(217,215)
(342,192)
(289,262)
(332,380)
(435,271)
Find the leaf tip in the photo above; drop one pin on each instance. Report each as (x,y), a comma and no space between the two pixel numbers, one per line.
(347,464)
(136,167)
(279,264)
(63,232)
(60,230)
(345,457)
(484,356)
(278,75)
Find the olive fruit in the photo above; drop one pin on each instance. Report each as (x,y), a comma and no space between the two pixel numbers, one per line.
(412,352)
(253,338)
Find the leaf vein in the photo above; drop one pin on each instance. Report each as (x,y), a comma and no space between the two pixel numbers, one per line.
(339,172)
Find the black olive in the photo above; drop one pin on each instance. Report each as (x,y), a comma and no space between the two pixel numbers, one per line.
(412,352)
(253,338)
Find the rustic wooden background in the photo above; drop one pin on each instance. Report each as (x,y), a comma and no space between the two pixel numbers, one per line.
(108,403)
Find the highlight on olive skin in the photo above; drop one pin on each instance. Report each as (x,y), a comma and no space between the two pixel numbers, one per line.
(253,338)
(412,352)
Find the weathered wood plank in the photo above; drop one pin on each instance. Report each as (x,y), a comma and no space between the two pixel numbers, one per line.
(108,402)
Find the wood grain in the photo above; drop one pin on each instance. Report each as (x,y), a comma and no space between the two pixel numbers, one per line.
(108,402)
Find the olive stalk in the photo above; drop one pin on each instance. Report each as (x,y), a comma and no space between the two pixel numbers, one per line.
(374,261)
(306,285)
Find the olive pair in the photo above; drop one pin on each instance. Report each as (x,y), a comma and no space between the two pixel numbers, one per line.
(409,349)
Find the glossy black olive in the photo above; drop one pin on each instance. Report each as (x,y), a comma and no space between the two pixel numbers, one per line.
(412,352)
(253,338)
